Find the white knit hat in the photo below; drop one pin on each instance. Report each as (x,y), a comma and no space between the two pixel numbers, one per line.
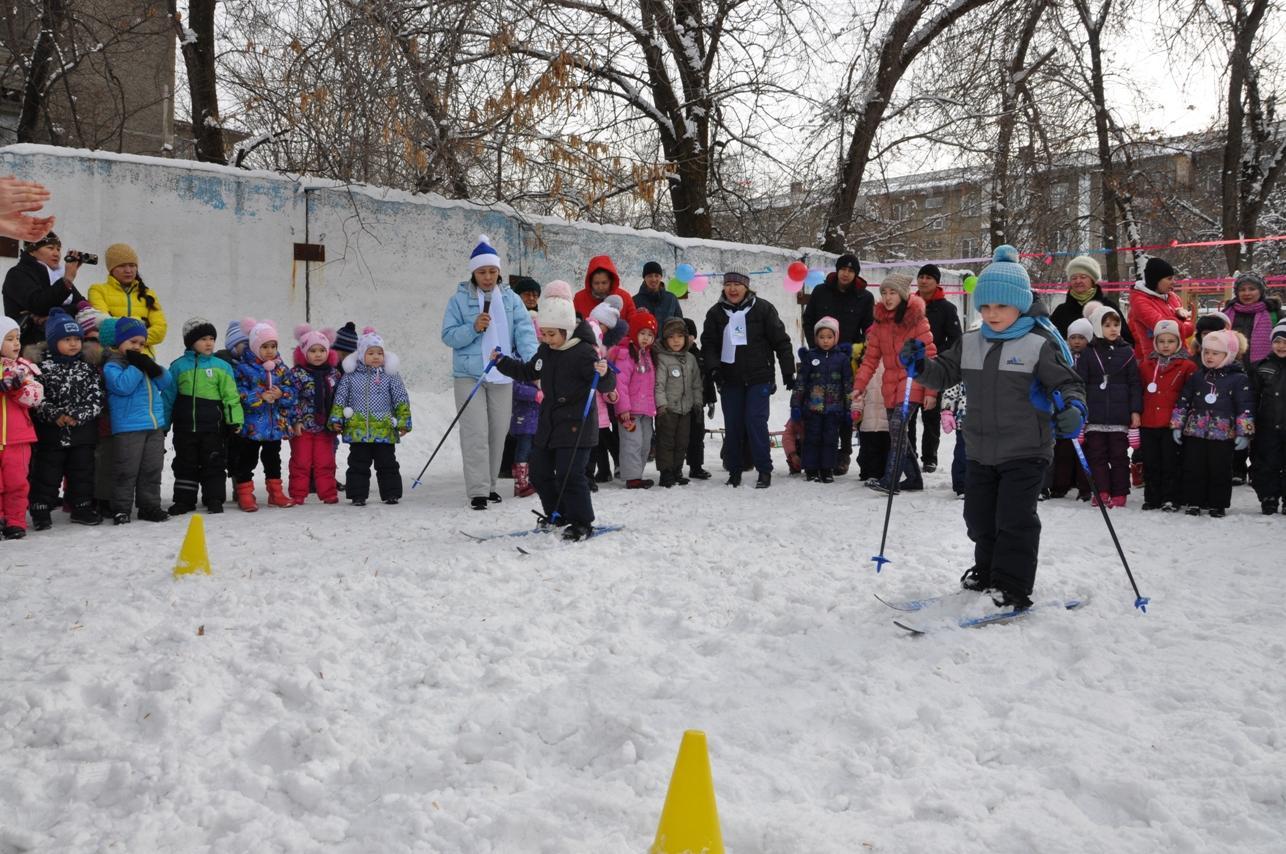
(556,313)
(1082,327)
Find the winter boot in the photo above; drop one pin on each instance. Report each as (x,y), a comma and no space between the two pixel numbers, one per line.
(180,509)
(276,496)
(1268,507)
(764,480)
(1136,474)
(42,518)
(975,579)
(667,479)
(522,480)
(1103,498)
(493,497)
(1012,601)
(85,514)
(811,476)
(679,479)
(1117,501)
(698,473)
(826,476)
(1217,512)
(246,496)
(478,502)
(13,532)
(639,483)
(152,514)
(578,531)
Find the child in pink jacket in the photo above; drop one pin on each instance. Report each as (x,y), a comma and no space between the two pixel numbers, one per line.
(19,392)
(636,403)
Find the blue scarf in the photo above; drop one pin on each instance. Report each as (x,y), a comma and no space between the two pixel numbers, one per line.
(1024,325)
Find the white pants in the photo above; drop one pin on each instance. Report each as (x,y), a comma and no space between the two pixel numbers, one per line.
(482,430)
(634,447)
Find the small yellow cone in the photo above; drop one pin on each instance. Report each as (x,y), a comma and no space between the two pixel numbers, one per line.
(689,819)
(192,554)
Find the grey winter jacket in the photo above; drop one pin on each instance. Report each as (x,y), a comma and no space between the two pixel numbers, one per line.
(1009,384)
(678,380)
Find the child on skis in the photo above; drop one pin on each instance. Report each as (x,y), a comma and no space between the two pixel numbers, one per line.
(678,400)
(207,405)
(66,426)
(821,399)
(1009,365)
(899,317)
(636,397)
(373,411)
(268,402)
(565,364)
(1114,399)
(1163,377)
(312,445)
(138,397)
(1270,422)
(1213,418)
(19,392)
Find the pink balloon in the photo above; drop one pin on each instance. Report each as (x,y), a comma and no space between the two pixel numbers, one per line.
(793,286)
(698,283)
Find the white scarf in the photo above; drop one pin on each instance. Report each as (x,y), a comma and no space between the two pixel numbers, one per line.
(734,334)
(496,333)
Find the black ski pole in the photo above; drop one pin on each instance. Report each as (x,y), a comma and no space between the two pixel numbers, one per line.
(1140,601)
(589,402)
(898,451)
(476,386)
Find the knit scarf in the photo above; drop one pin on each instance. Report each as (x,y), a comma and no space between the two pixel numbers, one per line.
(1083,299)
(1261,335)
(1024,325)
(321,391)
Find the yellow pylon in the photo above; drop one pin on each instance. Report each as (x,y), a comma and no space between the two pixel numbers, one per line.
(689,819)
(192,554)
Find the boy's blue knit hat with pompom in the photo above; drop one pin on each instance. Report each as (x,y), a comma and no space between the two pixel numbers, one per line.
(1004,281)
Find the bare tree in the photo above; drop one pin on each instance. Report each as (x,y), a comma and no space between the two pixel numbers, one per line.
(199,50)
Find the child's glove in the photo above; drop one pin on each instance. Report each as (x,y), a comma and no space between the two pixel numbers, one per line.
(796,414)
(912,356)
(144,363)
(540,396)
(627,422)
(948,421)
(1177,433)
(1069,420)
(857,416)
(1242,443)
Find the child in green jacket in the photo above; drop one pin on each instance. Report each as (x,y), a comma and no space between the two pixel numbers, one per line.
(206,407)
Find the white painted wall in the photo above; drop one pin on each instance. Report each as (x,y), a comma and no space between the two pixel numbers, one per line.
(218,242)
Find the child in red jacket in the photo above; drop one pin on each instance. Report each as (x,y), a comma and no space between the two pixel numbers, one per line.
(19,392)
(1163,375)
(899,317)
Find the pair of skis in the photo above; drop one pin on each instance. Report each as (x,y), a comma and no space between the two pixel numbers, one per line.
(598,531)
(931,604)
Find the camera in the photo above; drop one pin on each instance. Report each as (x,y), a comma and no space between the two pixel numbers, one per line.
(81,257)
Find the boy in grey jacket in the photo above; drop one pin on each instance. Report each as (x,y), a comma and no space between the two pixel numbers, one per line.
(1011,366)
(678,400)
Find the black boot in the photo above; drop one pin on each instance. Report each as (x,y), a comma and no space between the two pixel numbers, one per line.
(42,518)
(85,514)
(734,478)
(811,476)
(13,532)
(975,579)
(1012,601)
(764,481)
(679,479)
(827,476)
(667,479)
(698,473)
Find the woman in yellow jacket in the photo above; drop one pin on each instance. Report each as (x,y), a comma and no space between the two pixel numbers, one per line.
(125,295)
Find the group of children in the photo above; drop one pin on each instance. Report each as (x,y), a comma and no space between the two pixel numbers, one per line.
(1184,414)
(95,407)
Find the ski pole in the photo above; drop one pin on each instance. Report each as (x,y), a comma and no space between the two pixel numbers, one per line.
(476,386)
(898,450)
(589,402)
(1140,601)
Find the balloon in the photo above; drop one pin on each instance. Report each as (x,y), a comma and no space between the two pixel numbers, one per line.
(684,273)
(698,284)
(814,278)
(676,287)
(1049,259)
(970,282)
(796,272)
(793,286)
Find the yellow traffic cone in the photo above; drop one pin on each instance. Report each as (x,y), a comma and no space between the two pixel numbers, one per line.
(689,819)
(192,554)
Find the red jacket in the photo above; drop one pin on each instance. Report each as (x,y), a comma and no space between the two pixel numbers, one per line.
(584,301)
(884,342)
(1157,405)
(1146,310)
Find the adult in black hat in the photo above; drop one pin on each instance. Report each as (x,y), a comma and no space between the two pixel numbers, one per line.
(31,290)
(844,297)
(654,296)
(944,323)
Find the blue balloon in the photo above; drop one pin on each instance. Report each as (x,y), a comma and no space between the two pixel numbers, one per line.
(814,278)
(685,273)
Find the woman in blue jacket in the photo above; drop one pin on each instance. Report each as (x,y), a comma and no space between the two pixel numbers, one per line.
(482,316)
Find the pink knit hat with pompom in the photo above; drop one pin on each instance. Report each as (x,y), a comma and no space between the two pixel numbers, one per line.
(259,332)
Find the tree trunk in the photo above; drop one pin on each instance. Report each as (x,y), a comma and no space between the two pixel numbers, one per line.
(1236,222)
(1016,68)
(1108,173)
(198,59)
(34,92)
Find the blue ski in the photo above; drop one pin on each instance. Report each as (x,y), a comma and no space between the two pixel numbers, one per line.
(527,532)
(990,619)
(911,605)
(598,532)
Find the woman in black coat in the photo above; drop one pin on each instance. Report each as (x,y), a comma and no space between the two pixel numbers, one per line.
(742,334)
(29,296)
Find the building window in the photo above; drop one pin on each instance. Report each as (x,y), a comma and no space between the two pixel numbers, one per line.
(937,223)
(970,247)
(933,203)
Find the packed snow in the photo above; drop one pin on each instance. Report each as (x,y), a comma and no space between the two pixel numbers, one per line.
(370,680)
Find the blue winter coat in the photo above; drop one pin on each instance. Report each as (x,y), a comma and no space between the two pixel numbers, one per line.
(371,404)
(466,342)
(134,401)
(265,422)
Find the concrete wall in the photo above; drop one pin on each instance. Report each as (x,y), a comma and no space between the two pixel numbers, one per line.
(219,243)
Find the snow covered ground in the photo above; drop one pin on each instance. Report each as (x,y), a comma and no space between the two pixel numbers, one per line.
(368,680)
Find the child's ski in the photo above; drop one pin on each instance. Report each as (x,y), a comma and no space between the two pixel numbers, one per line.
(598,532)
(987,619)
(911,605)
(527,532)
